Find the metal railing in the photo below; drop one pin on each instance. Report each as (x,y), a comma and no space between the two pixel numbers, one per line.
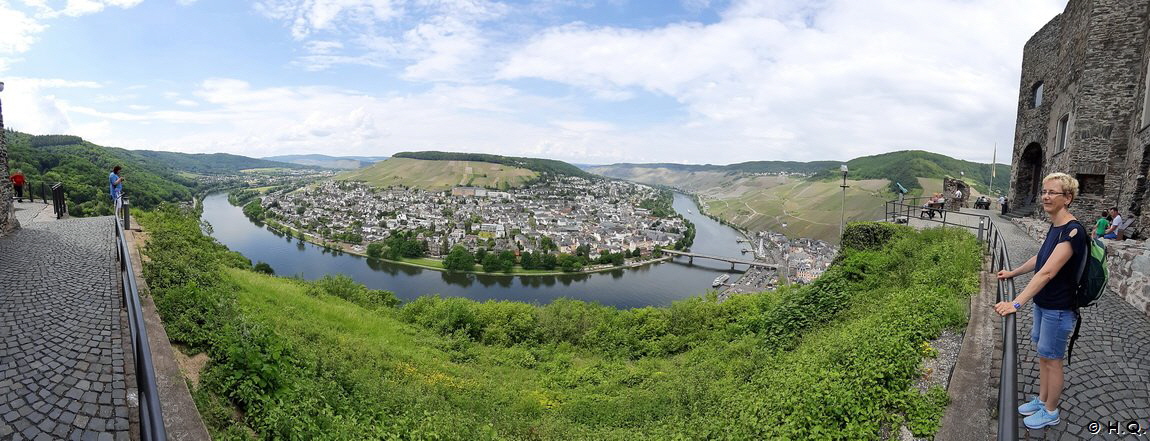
(151,418)
(996,246)
(59,207)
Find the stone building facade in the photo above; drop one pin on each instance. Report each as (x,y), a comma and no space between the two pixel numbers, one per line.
(1084,109)
(8,220)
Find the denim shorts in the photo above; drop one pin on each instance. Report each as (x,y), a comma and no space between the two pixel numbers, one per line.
(1051,332)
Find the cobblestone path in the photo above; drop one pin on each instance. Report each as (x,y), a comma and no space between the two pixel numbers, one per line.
(1108,380)
(61,344)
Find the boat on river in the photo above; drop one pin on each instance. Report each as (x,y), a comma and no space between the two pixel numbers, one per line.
(720,280)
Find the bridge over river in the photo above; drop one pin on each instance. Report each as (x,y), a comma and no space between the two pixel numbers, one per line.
(733,261)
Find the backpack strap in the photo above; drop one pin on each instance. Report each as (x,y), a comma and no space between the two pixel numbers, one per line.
(1074,336)
(1077,310)
(1081,265)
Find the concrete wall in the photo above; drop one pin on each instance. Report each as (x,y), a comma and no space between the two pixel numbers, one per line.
(8,220)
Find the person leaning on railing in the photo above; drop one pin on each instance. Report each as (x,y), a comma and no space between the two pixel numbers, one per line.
(1052,289)
(116,189)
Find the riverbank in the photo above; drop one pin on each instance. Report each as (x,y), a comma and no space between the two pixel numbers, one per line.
(437,264)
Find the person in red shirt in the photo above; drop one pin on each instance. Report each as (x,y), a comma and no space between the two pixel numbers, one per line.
(18,184)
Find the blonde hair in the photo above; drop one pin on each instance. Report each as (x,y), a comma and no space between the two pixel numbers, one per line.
(1069,184)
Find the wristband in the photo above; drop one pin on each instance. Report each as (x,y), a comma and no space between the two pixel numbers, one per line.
(1017,305)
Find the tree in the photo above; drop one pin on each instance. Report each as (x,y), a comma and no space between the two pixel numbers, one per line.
(480,254)
(375,250)
(548,261)
(508,259)
(459,259)
(528,261)
(263,267)
(492,263)
(570,263)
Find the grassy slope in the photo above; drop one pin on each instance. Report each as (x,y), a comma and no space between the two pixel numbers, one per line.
(439,175)
(735,389)
(810,209)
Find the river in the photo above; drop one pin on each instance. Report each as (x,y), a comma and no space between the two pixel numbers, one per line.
(650,285)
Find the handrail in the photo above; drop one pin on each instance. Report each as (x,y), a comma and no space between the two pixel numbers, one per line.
(151,418)
(1000,260)
(59,207)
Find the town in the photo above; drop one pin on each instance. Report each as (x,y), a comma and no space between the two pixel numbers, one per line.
(560,214)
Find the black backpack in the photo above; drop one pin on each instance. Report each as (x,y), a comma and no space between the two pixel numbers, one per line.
(1092,279)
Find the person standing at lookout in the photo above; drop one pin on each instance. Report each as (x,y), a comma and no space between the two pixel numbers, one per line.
(116,189)
(1052,289)
(18,185)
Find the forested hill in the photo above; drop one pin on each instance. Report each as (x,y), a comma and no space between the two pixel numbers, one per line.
(213,163)
(904,167)
(545,166)
(325,161)
(83,167)
(772,167)
(907,166)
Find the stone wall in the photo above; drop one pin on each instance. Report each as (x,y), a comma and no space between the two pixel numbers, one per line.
(8,220)
(1128,261)
(1092,61)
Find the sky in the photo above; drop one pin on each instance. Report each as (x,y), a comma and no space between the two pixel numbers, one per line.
(583,81)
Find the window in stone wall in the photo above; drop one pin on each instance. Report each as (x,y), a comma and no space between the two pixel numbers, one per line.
(1091,184)
(1063,127)
(1036,95)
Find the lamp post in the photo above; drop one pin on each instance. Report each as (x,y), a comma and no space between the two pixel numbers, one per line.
(842,219)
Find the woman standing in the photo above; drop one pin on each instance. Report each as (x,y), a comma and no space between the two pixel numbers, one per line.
(1052,290)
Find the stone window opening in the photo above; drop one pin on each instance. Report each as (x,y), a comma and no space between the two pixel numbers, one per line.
(1063,128)
(1091,184)
(1036,95)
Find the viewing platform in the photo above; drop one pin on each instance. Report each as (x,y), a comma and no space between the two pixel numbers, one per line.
(67,369)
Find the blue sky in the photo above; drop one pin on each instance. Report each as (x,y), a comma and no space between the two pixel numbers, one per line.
(585,81)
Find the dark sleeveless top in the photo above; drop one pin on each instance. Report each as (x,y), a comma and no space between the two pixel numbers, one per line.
(1059,292)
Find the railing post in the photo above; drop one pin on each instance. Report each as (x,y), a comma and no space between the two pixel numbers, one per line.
(127,217)
(981,226)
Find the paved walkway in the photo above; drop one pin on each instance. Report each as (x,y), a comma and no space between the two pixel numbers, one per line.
(1108,380)
(61,339)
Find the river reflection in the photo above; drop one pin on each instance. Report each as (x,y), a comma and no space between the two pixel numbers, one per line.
(656,284)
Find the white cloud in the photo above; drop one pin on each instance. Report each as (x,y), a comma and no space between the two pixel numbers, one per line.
(833,79)
(77,8)
(32,105)
(17,31)
(769,79)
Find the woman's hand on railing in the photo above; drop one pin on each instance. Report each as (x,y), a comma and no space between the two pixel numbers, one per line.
(1005,274)
(1005,308)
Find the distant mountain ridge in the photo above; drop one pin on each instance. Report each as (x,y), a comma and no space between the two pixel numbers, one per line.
(745,167)
(325,161)
(904,167)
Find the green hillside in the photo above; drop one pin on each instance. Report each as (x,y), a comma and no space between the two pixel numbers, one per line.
(439,175)
(744,167)
(150,177)
(807,206)
(542,166)
(330,359)
(907,166)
